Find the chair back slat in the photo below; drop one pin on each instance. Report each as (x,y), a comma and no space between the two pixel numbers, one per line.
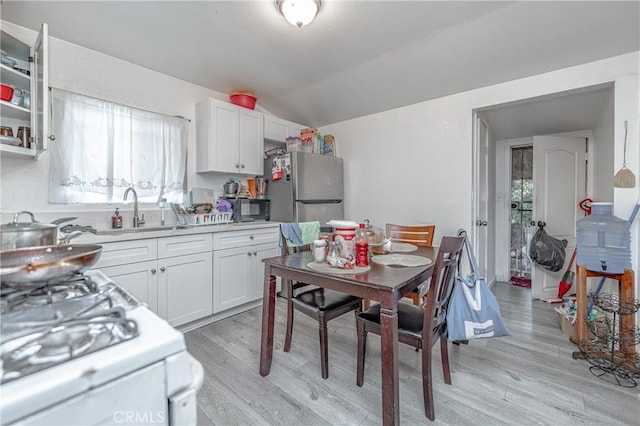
(441,285)
(419,235)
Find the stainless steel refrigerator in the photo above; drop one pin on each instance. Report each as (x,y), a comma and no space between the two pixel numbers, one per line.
(310,187)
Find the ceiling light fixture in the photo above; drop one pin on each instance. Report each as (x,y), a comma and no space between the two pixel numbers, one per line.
(299,12)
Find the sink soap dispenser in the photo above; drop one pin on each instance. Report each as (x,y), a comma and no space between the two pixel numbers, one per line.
(116,219)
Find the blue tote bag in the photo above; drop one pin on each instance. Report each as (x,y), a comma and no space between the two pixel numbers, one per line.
(473,311)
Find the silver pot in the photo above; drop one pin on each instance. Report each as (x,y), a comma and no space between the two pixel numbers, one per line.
(32,234)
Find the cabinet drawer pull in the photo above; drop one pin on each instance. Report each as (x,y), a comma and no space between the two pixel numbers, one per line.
(251,237)
(153,271)
(255,254)
(52,137)
(163,269)
(248,253)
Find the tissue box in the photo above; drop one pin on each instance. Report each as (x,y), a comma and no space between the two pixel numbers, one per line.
(568,328)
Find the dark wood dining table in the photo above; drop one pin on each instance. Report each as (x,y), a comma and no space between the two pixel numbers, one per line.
(386,284)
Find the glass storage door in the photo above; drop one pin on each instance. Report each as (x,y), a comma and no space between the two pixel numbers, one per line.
(521,215)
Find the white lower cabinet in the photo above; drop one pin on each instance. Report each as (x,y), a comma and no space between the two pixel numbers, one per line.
(230,277)
(177,286)
(189,277)
(184,288)
(238,275)
(140,279)
(238,271)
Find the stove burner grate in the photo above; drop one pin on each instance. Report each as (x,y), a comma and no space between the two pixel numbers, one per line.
(48,292)
(50,341)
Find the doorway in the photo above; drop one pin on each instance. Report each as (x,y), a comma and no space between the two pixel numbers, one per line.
(586,113)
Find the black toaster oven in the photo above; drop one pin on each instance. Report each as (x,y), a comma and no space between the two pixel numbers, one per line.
(249,209)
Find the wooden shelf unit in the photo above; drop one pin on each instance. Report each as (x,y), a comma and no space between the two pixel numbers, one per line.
(626,291)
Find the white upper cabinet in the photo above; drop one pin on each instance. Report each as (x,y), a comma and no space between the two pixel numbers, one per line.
(229,138)
(33,112)
(251,142)
(278,130)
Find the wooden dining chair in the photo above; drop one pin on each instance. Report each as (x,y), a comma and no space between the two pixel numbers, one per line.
(418,235)
(319,303)
(418,326)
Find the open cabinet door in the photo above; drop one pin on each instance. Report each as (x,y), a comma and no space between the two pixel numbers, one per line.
(40,90)
(559,165)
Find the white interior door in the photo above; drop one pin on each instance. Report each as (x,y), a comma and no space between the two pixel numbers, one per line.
(559,165)
(481,193)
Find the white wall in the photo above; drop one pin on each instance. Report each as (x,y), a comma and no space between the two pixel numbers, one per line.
(602,155)
(84,71)
(413,164)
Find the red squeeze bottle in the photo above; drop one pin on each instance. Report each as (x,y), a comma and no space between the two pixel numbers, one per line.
(362,247)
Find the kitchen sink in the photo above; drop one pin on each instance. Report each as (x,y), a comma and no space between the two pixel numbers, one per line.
(138,230)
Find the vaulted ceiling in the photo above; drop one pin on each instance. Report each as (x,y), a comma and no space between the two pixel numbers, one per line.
(356,58)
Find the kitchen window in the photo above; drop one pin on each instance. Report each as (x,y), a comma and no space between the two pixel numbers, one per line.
(101,148)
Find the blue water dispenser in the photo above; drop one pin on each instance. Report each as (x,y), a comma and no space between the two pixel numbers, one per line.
(604,241)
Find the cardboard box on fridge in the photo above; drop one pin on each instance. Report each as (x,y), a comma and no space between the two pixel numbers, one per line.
(329,145)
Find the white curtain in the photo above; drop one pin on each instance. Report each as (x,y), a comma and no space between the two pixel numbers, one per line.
(102,148)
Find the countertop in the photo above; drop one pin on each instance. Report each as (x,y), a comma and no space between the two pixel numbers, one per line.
(127,234)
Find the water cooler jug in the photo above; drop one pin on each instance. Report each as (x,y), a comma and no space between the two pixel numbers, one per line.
(604,241)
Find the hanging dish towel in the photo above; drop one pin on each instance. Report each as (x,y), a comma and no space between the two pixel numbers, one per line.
(299,234)
(292,233)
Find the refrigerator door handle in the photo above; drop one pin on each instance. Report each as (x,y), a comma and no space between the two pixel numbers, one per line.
(319,201)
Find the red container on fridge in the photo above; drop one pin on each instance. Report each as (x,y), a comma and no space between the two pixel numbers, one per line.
(6,92)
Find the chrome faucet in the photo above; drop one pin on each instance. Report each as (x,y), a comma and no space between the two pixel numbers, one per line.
(137,221)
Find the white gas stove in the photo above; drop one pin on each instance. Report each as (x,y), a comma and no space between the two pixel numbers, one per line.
(88,353)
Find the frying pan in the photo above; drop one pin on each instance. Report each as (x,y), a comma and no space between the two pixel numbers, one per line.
(30,266)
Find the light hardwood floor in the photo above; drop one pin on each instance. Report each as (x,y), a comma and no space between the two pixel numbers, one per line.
(525,379)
